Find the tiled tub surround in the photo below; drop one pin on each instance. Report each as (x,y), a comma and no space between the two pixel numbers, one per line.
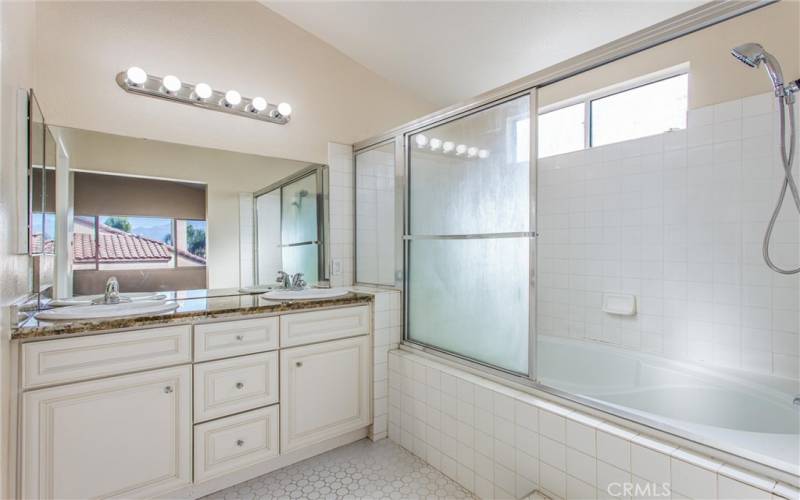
(677,220)
(501,443)
(388,332)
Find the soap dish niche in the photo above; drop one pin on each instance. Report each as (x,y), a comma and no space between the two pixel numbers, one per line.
(622,304)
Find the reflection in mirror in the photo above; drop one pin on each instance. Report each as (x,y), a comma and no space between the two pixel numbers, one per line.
(375,215)
(37,177)
(290,227)
(160,216)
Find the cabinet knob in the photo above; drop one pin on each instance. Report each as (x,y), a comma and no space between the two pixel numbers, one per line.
(298,364)
(239,385)
(239,338)
(168,389)
(239,442)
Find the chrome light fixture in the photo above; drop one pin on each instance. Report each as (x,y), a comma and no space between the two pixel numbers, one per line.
(136,81)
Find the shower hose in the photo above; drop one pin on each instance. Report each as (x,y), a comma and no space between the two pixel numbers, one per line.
(787,157)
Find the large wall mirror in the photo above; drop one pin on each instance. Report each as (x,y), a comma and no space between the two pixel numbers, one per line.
(41,182)
(162,216)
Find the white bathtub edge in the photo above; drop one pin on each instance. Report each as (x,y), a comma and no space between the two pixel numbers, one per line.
(714,465)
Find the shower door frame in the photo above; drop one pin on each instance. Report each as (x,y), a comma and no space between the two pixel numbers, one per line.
(689,22)
(405,237)
(320,172)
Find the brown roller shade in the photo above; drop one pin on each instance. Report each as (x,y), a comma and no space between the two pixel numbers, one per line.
(100,194)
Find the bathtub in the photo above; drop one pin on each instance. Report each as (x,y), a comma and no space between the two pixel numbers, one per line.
(748,415)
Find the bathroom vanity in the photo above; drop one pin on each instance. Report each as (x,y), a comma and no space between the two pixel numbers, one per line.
(222,390)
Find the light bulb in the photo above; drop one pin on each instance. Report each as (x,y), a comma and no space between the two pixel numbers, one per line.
(421,140)
(472,152)
(135,75)
(258,104)
(171,83)
(202,91)
(461,149)
(483,154)
(232,98)
(448,146)
(435,144)
(284,109)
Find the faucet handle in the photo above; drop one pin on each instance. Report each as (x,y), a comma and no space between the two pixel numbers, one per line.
(298,281)
(281,277)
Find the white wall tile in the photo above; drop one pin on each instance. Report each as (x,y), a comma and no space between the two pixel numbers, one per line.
(693,481)
(560,461)
(614,450)
(677,220)
(734,490)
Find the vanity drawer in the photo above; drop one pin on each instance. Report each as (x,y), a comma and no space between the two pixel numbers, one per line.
(79,358)
(234,385)
(318,326)
(234,338)
(230,443)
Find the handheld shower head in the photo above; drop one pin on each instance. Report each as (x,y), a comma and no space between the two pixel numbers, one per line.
(749,53)
(753,54)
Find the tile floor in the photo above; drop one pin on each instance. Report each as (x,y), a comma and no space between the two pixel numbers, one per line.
(364,469)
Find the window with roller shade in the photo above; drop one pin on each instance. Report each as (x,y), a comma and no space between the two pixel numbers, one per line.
(130,224)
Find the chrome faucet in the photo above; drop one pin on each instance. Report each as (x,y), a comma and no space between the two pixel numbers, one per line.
(291,281)
(111,295)
(284,279)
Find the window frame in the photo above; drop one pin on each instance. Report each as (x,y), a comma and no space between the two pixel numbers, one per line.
(173,230)
(619,88)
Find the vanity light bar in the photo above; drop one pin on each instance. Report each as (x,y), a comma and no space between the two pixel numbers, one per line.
(449,147)
(137,81)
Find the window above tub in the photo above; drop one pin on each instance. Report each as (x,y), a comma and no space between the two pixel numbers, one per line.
(649,105)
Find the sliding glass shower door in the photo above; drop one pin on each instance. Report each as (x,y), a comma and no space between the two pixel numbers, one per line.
(469,243)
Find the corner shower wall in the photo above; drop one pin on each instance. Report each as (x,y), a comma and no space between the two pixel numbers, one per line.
(677,220)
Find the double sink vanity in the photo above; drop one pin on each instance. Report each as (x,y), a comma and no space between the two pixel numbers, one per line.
(223,389)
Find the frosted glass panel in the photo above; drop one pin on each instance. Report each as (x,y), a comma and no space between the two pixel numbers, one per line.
(302,259)
(375,227)
(470,297)
(299,216)
(467,176)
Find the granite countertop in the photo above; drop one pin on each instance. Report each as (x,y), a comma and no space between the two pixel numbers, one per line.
(193,305)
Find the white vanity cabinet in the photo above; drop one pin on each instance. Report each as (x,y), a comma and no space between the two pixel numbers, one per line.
(128,436)
(324,391)
(184,410)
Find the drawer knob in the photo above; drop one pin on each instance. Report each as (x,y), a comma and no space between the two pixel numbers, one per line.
(239,442)
(240,337)
(298,364)
(239,385)
(168,389)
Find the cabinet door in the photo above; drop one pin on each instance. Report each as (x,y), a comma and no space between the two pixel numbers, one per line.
(324,391)
(127,436)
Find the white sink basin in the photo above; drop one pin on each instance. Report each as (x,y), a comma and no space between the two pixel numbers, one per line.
(256,289)
(85,300)
(307,294)
(106,311)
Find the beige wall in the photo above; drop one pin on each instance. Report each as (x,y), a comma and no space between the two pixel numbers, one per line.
(226,174)
(240,45)
(17,39)
(714,75)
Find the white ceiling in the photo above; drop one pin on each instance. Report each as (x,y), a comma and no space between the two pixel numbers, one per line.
(446,52)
